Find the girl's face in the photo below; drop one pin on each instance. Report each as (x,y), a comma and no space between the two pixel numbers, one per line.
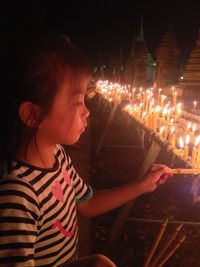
(66,120)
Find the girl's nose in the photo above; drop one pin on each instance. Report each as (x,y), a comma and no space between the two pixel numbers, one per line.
(86,112)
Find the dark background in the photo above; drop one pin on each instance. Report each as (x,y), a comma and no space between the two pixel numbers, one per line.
(102,28)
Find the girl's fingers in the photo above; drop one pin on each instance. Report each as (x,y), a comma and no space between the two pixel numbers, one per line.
(162,175)
(163,179)
(160,167)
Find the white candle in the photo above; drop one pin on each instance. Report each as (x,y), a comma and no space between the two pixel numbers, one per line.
(186,148)
(194,105)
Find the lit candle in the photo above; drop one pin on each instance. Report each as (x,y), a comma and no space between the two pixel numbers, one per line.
(155,118)
(147,102)
(133,92)
(181,144)
(151,104)
(194,150)
(172,137)
(168,114)
(144,115)
(146,119)
(194,127)
(159,90)
(188,128)
(186,149)
(174,98)
(141,89)
(194,105)
(178,111)
(197,164)
(164,113)
(192,133)
(162,100)
(150,115)
(165,133)
(161,131)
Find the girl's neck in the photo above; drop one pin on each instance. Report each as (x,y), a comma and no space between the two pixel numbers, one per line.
(39,155)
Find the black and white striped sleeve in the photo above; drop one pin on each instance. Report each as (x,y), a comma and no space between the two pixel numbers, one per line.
(19,215)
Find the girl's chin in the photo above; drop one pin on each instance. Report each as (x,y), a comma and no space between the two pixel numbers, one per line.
(76,138)
(73,141)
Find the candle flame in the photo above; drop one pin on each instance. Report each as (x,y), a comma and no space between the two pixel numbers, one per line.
(194,127)
(197,140)
(152,102)
(189,125)
(181,142)
(157,108)
(187,139)
(165,110)
(161,129)
(144,114)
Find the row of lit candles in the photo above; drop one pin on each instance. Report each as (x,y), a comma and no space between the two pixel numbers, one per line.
(157,118)
(111,90)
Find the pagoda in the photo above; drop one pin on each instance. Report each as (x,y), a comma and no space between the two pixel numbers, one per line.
(190,82)
(167,60)
(139,68)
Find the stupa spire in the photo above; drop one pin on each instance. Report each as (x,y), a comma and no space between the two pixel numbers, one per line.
(141,31)
(190,82)
(168,56)
(136,70)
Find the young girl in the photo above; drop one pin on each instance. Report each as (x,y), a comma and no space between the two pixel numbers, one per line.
(43,84)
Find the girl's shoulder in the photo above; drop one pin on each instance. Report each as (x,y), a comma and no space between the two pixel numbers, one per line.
(12,181)
(19,190)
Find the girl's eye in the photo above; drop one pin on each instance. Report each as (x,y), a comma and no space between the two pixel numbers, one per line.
(79,100)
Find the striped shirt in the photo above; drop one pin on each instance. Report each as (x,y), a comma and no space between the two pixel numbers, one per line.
(38,220)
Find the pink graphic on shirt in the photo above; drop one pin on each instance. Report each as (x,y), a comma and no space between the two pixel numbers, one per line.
(57,191)
(62,230)
(67,178)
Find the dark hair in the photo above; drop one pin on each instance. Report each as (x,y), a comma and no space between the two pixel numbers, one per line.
(32,68)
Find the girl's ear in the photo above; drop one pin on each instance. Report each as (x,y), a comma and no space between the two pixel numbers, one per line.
(29,113)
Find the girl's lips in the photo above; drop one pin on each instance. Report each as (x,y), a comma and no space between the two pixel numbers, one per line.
(84,127)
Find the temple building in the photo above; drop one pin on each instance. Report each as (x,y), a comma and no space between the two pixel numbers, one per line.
(167,60)
(190,82)
(140,68)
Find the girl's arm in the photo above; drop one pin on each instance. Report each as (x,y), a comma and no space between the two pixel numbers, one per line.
(19,211)
(106,200)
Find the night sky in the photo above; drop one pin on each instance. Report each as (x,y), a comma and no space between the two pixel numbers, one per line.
(102,28)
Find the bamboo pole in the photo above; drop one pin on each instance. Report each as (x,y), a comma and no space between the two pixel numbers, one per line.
(186,171)
(156,242)
(170,253)
(166,245)
(107,127)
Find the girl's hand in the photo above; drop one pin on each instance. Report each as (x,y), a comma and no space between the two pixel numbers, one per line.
(156,175)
